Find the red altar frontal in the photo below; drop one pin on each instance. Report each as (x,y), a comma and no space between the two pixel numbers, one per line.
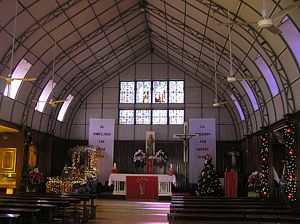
(142,186)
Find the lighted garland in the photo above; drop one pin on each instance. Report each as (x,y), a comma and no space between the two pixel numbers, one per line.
(290,163)
(264,157)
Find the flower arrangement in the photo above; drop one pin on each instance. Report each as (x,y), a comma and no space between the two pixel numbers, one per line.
(33,178)
(160,158)
(254,181)
(139,158)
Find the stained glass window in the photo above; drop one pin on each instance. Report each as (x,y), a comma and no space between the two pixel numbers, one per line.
(238,107)
(64,108)
(127,92)
(20,72)
(126,117)
(267,73)
(159,117)
(176,93)
(292,36)
(143,92)
(143,117)
(176,116)
(160,92)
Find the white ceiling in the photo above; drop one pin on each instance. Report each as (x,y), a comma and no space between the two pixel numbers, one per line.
(96,38)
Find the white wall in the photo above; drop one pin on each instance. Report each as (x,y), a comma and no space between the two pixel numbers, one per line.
(103,103)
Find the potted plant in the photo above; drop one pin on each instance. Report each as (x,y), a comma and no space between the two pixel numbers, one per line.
(254,184)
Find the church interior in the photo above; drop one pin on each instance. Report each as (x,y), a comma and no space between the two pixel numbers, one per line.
(168,106)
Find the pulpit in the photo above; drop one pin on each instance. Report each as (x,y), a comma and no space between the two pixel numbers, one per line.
(231,180)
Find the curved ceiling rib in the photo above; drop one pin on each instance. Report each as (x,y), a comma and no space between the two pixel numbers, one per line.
(103,64)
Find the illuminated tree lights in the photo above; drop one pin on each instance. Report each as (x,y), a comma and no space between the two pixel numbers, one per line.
(290,163)
(264,155)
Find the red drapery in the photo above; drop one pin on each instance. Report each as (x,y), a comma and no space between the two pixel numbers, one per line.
(142,187)
(149,166)
(231,184)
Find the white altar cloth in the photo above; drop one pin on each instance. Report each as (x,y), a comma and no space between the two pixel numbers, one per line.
(164,183)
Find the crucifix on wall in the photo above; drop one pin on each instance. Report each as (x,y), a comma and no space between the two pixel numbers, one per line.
(185,137)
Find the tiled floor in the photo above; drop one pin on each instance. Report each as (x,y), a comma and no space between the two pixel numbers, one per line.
(131,212)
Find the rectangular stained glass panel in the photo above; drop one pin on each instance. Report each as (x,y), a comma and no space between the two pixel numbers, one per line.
(159,117)
(176,92)
(143,117)
(127,92)
(176,116)
(126,117)
(160,92)
(143,92)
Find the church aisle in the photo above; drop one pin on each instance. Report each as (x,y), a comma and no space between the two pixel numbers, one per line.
(131,212)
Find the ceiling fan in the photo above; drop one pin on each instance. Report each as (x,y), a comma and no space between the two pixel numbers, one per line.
(267,22)
(9,79)
(231,77)
(52,102)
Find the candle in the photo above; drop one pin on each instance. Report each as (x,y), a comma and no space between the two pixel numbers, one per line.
(115,165)
(171,165)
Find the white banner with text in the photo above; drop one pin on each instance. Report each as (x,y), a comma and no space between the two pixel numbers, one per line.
(102,136)
(200,146)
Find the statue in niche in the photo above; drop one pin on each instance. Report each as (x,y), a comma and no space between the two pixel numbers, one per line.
(150,144)
(233,161)
(32,156)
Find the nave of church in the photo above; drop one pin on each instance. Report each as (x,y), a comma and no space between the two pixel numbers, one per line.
(145,100)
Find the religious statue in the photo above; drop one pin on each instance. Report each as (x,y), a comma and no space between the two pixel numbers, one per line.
(233,161)
(150,145)
(32,156)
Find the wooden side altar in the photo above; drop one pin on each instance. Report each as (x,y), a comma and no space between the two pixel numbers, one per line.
(164,183)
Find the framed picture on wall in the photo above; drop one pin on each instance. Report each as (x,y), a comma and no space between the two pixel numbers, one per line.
(8,158)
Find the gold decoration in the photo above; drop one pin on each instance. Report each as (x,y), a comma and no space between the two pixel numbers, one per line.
(83,168)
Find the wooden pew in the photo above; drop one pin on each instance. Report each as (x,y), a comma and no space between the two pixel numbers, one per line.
(191,209)
(10,218)
(66,203)
(49,209)
(85,198)
(26,213)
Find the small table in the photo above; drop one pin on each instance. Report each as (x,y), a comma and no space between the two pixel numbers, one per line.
(164,183)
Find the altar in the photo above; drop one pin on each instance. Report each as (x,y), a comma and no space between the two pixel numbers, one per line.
(164,182)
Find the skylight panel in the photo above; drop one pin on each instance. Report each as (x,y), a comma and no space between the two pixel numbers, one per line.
(20,72)
(291,35)
(64,108)
(267,73)
(250,94)
(238,107)
(40,106)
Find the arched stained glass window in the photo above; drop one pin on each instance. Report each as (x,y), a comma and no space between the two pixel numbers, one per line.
(250,94)
(64,108)
(291,35)
(238,107)
(267,73)
(20,72)
(44,96)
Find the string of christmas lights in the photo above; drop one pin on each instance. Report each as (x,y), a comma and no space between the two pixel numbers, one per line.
(290,163)
(264,158)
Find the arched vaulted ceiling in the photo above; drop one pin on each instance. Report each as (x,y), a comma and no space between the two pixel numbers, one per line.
(98,39)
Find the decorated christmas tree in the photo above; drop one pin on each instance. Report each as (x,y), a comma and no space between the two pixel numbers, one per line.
(208,183)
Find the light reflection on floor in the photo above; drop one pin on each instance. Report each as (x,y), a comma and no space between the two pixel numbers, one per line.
(131,212)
